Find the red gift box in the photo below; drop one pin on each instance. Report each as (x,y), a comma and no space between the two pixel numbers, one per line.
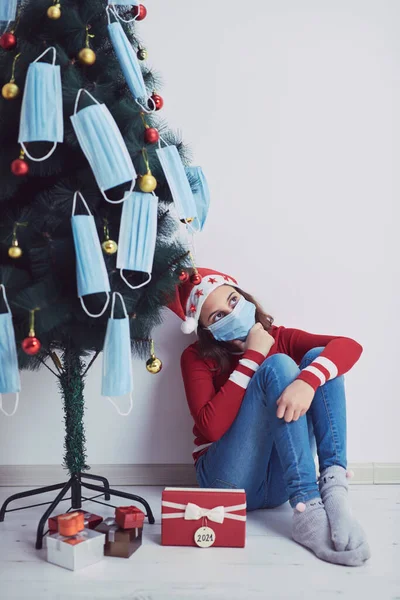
(90,521)
(203,517)
(129,517)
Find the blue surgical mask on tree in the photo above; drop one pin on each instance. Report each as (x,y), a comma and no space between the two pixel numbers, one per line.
(117,377)
(104,147)
(91,271)
(42,106)
(178,182)
(127,59)
(137,236)
(237,324)
(9,374)
(8,11)
(201,194)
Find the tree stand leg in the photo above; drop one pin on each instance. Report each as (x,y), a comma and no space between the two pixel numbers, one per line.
(71,383)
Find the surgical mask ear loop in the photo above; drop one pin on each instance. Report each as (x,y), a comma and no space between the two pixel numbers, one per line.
(114,11)
(122,414)
(11,414)
(108,293)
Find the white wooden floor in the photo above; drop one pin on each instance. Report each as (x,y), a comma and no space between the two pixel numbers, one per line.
(271,566)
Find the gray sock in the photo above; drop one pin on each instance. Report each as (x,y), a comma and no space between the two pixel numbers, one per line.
(311,529)
(346,531)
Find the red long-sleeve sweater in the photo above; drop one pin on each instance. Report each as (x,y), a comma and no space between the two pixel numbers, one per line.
(214,398)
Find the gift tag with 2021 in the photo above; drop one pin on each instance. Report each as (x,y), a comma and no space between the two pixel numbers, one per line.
(204,537)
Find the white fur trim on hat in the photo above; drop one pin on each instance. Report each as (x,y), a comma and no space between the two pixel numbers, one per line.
(189,325)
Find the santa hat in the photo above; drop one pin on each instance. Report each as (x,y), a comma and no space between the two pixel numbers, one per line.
(190,298)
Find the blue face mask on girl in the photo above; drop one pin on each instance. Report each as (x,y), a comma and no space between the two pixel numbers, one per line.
(237,324)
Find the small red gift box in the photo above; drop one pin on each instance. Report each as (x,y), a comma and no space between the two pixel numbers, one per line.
(129,517)
(90,521)
(203,517)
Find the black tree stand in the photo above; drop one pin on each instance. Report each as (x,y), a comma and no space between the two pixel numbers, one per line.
(71,381)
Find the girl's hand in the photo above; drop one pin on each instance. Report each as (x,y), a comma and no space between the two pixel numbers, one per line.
(258,340)
(295,401)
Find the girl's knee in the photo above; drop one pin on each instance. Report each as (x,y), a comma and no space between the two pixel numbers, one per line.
(281,363)
(310,356)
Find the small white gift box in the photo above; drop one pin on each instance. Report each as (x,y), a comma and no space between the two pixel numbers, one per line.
(82,550)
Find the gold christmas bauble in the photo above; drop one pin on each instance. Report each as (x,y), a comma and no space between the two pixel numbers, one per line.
(109,246)
(10,91)
(142,54)
(147,183)
(14,252)
(87,56)
(54,12)
(154,365)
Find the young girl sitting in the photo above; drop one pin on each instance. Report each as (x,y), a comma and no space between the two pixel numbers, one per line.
(263,398)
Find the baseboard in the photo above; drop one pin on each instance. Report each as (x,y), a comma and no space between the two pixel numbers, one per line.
(157,474)
(170,474)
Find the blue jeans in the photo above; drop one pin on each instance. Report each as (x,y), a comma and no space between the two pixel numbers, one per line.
(271,459)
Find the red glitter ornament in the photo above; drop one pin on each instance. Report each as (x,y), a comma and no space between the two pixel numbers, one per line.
(19,167)
(155,101)
(151,135)
(31,345)
(196,279)
(183,276)
(8,41)
(140,12)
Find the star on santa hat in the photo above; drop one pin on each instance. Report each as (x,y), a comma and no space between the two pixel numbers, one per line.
(212,280)
(199,293)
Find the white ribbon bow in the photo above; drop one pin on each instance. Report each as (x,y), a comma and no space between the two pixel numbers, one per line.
(194,513)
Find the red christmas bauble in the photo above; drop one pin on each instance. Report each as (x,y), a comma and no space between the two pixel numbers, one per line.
(19,167)
(183,276)
(151,135)
(31,345)
(155,99)
(8,41)
(196,279)
(140,11)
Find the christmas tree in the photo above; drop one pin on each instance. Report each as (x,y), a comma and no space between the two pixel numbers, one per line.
(78,94)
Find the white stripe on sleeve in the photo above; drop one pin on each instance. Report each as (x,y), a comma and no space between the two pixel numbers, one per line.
(315,371)
(240,379)
(328,364)
(250,364)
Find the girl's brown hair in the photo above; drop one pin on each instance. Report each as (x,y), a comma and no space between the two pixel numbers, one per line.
(219,352)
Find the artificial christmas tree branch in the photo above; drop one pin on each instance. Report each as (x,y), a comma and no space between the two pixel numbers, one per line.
(91,363)
(47,367)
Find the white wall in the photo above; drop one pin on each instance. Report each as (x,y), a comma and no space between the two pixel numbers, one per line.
(292,109)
